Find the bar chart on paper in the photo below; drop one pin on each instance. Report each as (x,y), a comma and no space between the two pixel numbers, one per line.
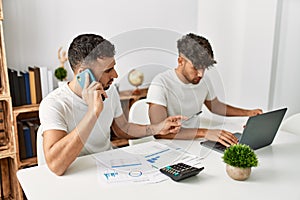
(125,162)
(160,155)
(140,163)
(118,166)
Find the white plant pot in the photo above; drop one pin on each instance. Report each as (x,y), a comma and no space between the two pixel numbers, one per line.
(61,83)
(236,173)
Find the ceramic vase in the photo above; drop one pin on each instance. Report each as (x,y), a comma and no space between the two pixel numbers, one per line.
(61,83)
(237,173)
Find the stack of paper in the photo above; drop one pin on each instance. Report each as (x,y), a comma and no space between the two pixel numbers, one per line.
(140,163)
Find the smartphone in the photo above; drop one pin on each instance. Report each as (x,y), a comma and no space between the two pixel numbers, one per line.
(81,79)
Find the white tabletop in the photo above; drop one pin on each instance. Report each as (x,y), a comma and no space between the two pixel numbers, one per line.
(276,177)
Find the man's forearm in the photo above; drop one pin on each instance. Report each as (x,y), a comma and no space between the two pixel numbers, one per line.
(227,110)
(61,154)
(184,134)
(130,130)
(234,111)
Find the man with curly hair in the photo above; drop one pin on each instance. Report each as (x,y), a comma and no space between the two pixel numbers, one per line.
(184,90)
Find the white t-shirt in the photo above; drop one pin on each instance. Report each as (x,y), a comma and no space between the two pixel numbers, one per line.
(168,90)
(62,109)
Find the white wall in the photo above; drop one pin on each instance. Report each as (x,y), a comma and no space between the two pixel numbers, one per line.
(286,90)
(256,44)
(34,30)
(149,50)
(241,33)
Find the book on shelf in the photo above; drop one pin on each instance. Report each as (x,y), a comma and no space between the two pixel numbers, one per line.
(21,140)
(44,81)
(27,86)
(32,85)
(27,139)
(17,81)
(38,87)
(33,127)
(27,130)
(11,85)
(22,89)
(14,87)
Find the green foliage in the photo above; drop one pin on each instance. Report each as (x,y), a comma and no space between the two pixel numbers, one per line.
(240,155)
(60,73)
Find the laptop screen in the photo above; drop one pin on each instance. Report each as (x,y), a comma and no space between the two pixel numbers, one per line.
(260,130)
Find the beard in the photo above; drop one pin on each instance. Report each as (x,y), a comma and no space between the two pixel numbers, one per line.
(196,81)
(108,84)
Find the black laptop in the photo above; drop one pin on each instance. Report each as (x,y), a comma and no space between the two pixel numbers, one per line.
(259,132)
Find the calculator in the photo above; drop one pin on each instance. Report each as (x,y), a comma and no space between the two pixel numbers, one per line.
(180,171)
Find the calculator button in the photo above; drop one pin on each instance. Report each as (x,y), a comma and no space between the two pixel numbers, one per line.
(180,171)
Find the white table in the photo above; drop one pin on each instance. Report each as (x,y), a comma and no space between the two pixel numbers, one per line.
(276,177)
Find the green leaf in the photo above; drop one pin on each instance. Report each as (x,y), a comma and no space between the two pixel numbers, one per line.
(60,73)
(240,155)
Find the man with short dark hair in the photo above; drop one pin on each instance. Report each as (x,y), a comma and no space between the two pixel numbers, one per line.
(182,91)
(76,121)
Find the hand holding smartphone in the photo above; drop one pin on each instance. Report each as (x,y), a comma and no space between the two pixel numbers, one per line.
(81,79)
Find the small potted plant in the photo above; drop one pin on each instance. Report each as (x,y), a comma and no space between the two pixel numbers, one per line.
(61,73)
(239,159)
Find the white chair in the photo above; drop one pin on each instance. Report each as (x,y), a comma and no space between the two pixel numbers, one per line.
(39,147)
(292,124)
(138,114)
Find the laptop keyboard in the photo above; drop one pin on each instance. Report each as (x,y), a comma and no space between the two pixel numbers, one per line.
(214,145)
(220,146)
(217,145)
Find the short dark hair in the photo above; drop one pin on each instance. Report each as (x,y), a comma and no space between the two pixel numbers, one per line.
(86,48)
(197,49)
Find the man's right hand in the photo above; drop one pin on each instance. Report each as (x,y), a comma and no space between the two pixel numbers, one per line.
(91,94)
(224,137)
(171,125)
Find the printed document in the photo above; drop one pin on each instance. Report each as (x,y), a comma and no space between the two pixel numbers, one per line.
(140,163)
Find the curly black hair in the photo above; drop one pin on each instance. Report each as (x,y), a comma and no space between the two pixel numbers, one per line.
(86,48)
(197,49)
